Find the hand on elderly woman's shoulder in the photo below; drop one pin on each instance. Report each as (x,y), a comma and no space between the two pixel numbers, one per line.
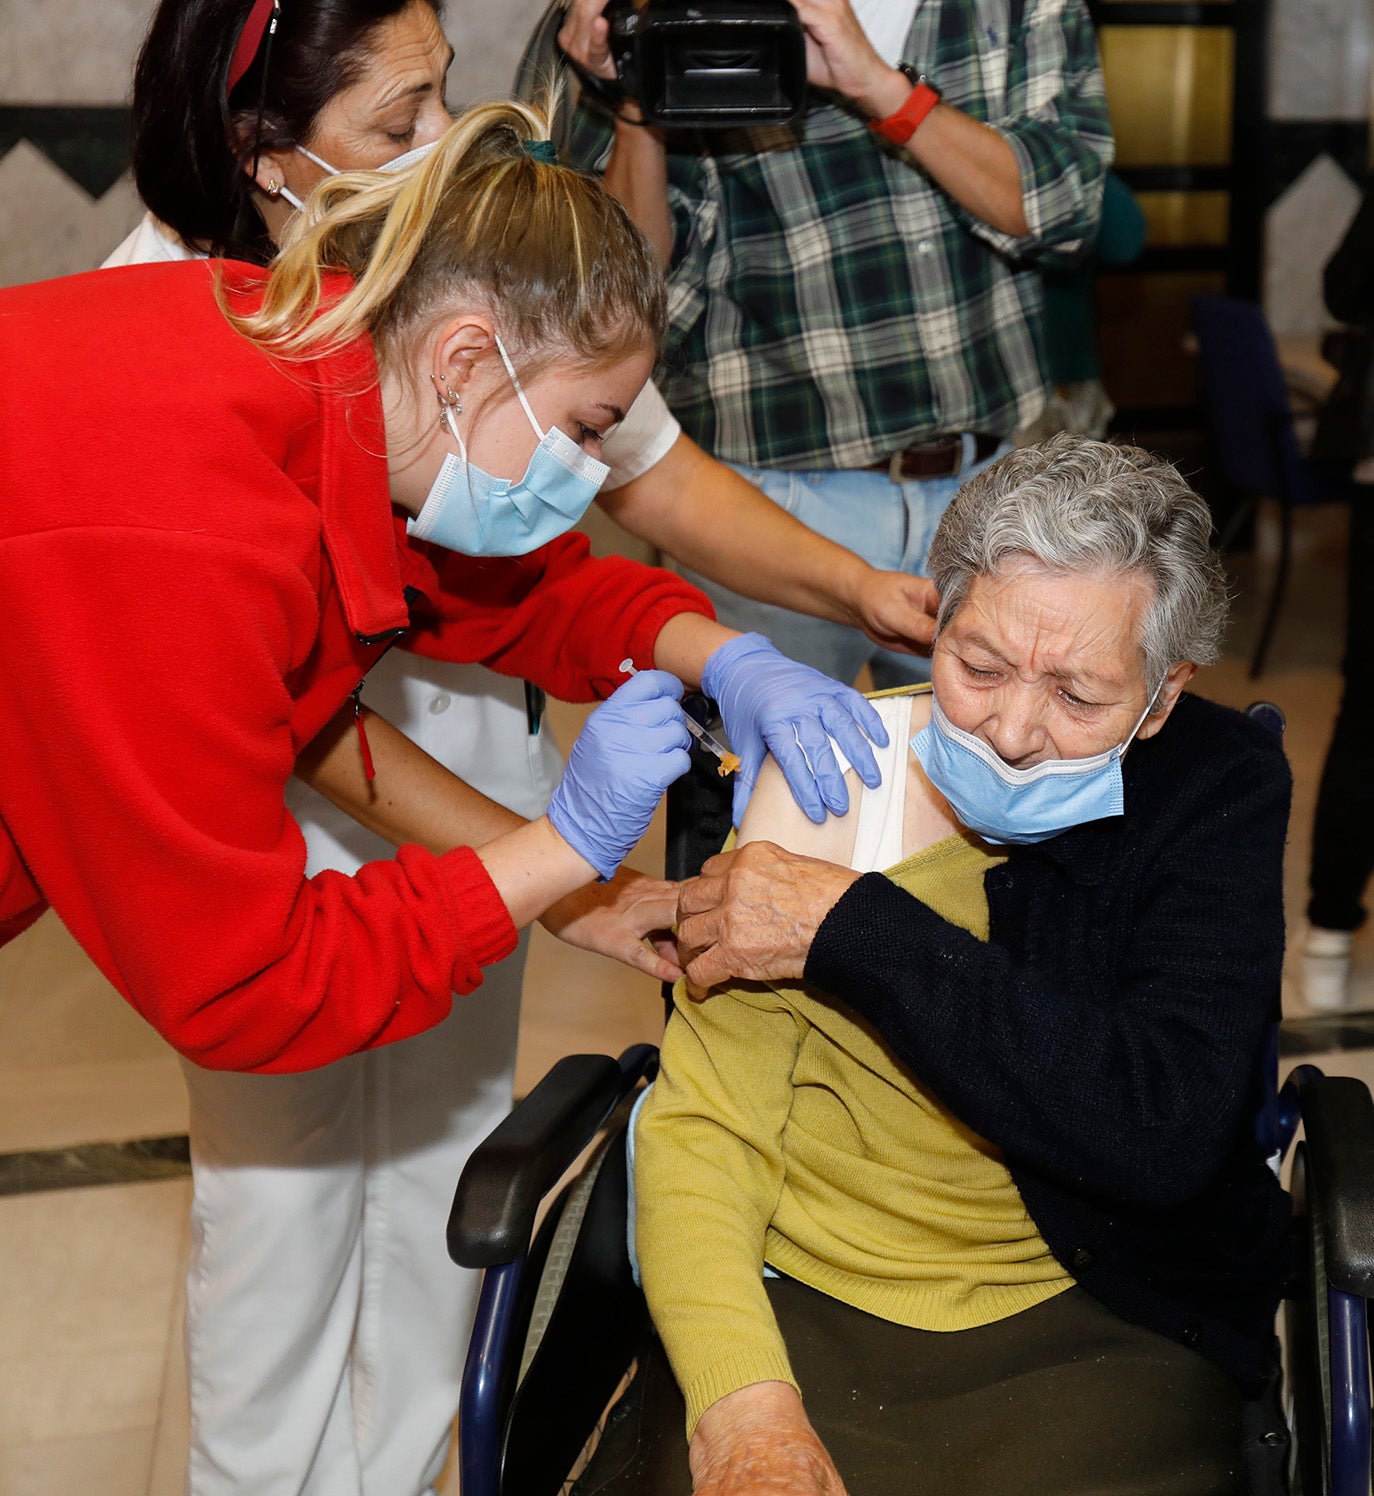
(752,914)
(758,1441)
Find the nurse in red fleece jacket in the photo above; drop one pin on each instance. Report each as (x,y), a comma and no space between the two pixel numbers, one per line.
(200,559)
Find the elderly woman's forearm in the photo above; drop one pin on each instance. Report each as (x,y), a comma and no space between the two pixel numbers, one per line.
(700,1242)
(708,1177)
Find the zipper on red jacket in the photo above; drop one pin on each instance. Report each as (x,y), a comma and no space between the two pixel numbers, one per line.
(369,768)
(413,597)
(388,638)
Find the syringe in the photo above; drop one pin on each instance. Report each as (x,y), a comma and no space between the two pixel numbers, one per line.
(729,762)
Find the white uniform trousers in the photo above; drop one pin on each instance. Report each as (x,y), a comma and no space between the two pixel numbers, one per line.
(326,1326)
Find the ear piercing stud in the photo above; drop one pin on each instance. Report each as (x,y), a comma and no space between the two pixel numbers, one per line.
(448,399)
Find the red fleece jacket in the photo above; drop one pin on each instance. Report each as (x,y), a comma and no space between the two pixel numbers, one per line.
(197,558)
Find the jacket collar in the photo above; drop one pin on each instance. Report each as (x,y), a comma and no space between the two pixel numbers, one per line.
(360,532)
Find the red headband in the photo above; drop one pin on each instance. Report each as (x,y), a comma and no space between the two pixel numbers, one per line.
(250,39)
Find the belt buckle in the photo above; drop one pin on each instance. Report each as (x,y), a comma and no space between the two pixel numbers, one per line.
(956,446)
(964,452)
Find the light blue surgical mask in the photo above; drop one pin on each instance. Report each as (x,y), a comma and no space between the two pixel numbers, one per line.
(397,163)
(470,511)
(1003,804)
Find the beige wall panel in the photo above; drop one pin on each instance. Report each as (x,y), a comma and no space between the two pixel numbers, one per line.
(1170,92)
(488,37)
(69,51)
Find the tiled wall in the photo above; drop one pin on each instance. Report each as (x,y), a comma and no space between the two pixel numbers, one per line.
(64,70)
(65,67)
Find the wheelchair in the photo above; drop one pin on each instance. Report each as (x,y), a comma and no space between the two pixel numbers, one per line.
(560,1319)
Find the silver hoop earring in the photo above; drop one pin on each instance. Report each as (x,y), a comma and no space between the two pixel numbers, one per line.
(449,400)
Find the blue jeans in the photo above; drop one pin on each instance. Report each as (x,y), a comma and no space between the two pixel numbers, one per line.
(889,524)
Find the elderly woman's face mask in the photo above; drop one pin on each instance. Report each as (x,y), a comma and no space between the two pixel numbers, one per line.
(1039,691)
(1003,804)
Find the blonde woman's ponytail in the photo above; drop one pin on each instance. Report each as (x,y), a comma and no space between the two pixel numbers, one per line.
(483,214)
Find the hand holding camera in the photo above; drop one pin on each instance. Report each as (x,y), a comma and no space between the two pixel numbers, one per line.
(722,63)
(585,39)
(840,57)
(691,63)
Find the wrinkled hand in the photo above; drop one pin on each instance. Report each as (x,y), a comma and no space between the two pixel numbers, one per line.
(897,611)
(771,704)
(752,914)
(617,917)
(759,1442)
(585,36)
(839,55)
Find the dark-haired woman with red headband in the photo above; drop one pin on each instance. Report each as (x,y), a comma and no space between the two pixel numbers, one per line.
(325,1324)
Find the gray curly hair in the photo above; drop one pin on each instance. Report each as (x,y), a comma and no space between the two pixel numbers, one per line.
(1073,504)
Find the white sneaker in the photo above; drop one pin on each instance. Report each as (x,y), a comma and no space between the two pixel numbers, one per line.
(1326,969)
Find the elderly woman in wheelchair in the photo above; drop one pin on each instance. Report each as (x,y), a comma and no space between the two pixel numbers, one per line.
(962,1153)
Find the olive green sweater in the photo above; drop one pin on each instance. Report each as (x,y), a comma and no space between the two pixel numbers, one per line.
(782,1129)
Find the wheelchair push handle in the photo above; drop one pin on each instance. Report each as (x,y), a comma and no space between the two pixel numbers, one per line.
(520,1161)
(1338,1119)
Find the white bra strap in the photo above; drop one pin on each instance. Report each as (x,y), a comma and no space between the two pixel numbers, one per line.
(878,835)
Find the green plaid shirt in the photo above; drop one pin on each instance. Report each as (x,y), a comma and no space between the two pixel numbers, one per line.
(829,305)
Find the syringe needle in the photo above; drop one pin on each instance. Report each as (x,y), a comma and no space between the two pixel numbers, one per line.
(729,762)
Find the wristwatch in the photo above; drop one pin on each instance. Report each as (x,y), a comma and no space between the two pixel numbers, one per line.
(924,96)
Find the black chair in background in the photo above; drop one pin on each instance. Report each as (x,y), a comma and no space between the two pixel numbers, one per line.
(1251,422)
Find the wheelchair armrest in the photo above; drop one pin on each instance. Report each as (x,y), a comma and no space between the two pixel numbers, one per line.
(511,1171)
(1338,1118)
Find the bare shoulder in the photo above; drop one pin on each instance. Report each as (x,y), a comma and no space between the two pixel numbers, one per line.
(773,815)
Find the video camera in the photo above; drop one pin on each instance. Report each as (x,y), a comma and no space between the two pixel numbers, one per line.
(707,63)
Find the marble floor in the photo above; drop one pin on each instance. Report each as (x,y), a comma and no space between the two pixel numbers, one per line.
(92,1390)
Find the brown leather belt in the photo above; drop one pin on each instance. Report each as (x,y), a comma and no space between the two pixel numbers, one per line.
(942,457)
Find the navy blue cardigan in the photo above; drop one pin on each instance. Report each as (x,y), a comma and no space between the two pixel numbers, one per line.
(1108,1036)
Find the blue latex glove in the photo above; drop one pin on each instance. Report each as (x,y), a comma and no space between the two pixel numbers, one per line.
(632,748)
(771,704)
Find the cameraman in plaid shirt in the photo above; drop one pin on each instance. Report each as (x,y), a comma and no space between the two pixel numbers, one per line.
(855,301)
